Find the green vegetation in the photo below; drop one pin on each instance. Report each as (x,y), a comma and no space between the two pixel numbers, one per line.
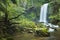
(21,16)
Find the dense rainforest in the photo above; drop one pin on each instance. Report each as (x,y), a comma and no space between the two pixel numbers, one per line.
(21,16)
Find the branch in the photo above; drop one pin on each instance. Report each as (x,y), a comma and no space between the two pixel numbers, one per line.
(1,21)
(16,16)
(15,23)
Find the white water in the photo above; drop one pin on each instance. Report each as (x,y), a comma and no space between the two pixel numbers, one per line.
(44,17)
(43,13)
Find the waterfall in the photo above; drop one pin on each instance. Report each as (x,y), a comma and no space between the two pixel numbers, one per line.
(44,17)
(43,13)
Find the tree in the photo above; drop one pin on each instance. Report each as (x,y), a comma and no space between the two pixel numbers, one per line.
(8,9)
(55,16)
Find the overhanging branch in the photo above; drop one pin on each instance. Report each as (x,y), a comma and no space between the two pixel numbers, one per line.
(16,16)
(26,11)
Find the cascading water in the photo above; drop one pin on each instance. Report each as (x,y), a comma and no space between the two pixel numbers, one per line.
(43,13)
(44,17)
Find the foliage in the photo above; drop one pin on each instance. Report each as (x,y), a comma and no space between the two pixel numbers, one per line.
(55,14)
(25,13)
(8,12)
